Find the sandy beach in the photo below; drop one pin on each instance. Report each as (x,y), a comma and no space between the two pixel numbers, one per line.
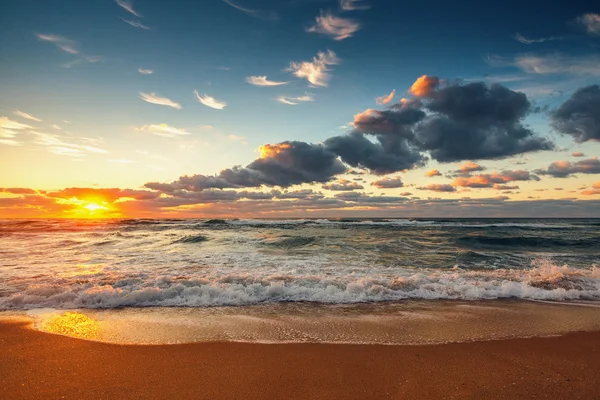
(38,365)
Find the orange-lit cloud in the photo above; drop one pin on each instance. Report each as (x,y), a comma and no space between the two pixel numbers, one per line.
(433,172)
(577,154)
(469,167)
(387,99)
(424,86)
(388,183)
(271,150)
(489,180)
(593,191)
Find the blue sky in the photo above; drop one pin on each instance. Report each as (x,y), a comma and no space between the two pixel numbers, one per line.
(80,62)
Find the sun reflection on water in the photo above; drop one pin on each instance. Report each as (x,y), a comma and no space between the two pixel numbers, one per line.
(72,324)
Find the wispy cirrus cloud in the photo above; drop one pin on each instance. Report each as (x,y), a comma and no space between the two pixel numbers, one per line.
(26,116)
(294,101)
(144,71)
(559,63)
(352,5)
(256,13)
(263,81)
(61,42)
(337,27)
(9,129)
(135,24)
(162,101)
(68,145)
(162,130)
(387,99)
(210,101)
(591,23)
(522,39)
(315,71)
(128,5)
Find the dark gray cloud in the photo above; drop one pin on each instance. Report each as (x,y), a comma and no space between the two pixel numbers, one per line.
(390,154)
(438,187)
(564,169)
(476,121)
(397,120)
(579,116)
(342,184)
(388,183)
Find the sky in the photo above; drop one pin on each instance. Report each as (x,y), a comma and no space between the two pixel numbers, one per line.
(299,108)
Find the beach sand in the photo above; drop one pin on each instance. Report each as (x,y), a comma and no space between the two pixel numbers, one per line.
(38,365)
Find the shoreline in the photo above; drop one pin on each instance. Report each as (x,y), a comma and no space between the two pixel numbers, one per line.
(39,365)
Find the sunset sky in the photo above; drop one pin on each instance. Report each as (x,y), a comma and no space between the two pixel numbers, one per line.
(299,108)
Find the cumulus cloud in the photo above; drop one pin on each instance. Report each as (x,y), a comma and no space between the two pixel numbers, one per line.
(520,38)
(315,71)
(591,23)
(564,169)
(433,172)
(593,191)
(352,5)
(469,167)
(26,116)
(337,27)
(397,120)
(135,24)
(260,14)
(342,184)
(388,183)
(579,116)
(263,81)
(61,42)
(162,130)
(489,180)
(438,187)
(210,101)
(144,71)
(424,86)
(162,101)
(128,6)
(386,99)
(294,101)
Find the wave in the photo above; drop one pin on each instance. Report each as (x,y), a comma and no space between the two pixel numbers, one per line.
(544,281)
(512,242)
(192,239)
(291,242)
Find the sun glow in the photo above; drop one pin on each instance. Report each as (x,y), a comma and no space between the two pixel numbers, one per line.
(94,207)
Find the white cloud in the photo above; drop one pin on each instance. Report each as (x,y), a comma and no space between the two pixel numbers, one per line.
(145,71)
(135,24)
(26,115)
(156,99)
(59,145)
(386,99)
(56,126)
(294,101)
(128,5)
(263,81)
(9,129)
(315,71)
(591,22)
(351,5)
(9,142)
(337,27)
(162,130)
(524,40)
(61,42)
(557,63)
(67,151)
(262,14)
(210,101)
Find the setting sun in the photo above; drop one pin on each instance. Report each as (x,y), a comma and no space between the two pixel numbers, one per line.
(94,207)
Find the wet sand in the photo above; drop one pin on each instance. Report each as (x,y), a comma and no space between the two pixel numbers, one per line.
(39,365)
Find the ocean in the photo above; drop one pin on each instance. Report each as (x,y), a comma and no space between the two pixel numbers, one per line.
(200,263)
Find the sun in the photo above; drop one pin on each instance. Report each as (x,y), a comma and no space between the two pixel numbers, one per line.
(94,207)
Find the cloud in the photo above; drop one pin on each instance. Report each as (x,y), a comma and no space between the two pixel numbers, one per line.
(210,101)
(337,27)
(341,185)
(559,64)
(386,99)
(315,71)
(128,5)
(263,81)
(388,183)
(591,22)
(475,121)
(424,86)
(520,38)
(433,172)
(352,5)
(61,42)
(162,130)
(293,101)
(397,120)
(9,129)
(282,164)
(261,14)
(67,146)
(469,167)
(156,99)
(577,154)
(438,187)
(54,126)
(490,180)
(135,24)
(564,169)
(579,116)
(26,116)
(145,71)
(505,187)
(595,190)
